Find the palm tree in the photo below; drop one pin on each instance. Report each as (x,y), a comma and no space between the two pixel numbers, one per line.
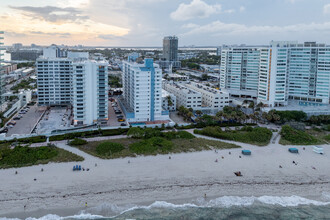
(260,105)
(257,114)
(264,116)
(251,105)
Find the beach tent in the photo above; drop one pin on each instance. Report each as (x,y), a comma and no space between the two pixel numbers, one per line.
(246,152)
(318,150)
(293,150)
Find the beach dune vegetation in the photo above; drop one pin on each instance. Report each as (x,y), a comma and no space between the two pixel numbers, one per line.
(257,136)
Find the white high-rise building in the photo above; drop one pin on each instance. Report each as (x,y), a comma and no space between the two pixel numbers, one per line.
(239,70)
(74,80)
(54,76)
(54,81)
(292,71)
(90,92)
(286,71)
(142,92)
(2,71)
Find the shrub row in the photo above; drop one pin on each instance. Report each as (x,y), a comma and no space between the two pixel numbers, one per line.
(35,139)
(69,136)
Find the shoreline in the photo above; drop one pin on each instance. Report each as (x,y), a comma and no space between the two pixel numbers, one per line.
(146,179)
(108,209)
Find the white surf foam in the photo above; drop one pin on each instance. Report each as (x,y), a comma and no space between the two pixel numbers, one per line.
(221,202)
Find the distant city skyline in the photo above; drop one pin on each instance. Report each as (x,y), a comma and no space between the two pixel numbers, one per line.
(145,22)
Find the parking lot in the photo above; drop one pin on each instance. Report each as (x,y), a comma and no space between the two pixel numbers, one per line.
(54,119)
(113,120)
(27,122)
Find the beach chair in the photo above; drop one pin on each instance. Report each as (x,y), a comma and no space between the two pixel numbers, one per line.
(246,152)
(74,168)
(79,168)
(293,150)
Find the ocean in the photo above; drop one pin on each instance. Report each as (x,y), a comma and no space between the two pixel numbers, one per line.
(227,207)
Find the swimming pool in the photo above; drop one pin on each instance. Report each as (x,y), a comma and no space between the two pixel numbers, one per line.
(137,124)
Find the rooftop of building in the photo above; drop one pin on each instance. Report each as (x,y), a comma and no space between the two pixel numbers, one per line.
(207,88)
(166,93)
(145,64)
(184,89)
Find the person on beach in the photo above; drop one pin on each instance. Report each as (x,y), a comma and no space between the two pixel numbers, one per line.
(169,157)
(216,160)
(129,161)
(95,164)
(85,204)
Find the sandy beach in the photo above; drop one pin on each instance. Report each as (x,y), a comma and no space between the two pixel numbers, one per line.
(186,177)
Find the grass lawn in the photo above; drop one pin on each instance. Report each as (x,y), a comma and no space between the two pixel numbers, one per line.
(26,156)
(179,145)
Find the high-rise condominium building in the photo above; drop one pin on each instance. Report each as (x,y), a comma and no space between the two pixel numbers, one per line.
(170,48)
(170,53)
(54,80)
(90,92)
(294,71)
(239,70)
(142,92)
(1,66)
(74,80)
(287,71)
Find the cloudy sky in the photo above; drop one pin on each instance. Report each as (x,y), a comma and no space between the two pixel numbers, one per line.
(145,22)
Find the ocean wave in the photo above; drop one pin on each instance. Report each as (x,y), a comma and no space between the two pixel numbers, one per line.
(221,202)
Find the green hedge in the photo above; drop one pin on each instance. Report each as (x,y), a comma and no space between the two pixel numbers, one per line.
(85,134)
(258,136)
(294,136)
(35,139)
(108,148)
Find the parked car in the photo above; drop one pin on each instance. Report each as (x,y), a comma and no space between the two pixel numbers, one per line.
(121,119)
(17,118)
(120,116)
(118,112)
(122,124)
